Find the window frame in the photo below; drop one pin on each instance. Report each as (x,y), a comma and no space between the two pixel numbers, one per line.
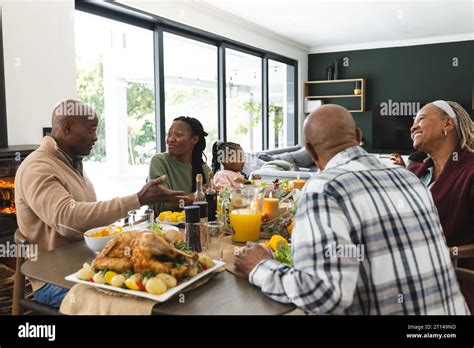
(159,25)
(295,93)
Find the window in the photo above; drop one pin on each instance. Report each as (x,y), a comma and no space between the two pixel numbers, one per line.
(115,73)
(190,69)
(244,100)
(118,57)
(281,102)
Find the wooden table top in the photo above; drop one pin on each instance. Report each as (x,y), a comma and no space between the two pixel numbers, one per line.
(224,294)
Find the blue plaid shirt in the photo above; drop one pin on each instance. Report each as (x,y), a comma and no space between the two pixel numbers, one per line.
(367,240)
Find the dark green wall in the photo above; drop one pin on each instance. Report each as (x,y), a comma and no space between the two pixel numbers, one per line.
(405,74)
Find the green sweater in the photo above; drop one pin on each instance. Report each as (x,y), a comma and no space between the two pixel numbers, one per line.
(179,175)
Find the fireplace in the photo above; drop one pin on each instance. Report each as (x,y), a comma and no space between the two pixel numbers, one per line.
(7,195)
(10,159)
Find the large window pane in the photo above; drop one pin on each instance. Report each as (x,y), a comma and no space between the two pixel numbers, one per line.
(244,100)
(281,109)
(115,73)
(191,83)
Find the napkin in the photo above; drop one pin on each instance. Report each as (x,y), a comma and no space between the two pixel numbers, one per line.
(86,300)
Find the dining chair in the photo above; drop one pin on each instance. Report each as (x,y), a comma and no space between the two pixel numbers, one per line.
(459,253)
(20,304)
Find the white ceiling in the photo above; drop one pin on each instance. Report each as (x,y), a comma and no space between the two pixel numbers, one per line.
(323,25)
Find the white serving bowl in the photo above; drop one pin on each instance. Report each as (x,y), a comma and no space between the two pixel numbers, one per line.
(96,244)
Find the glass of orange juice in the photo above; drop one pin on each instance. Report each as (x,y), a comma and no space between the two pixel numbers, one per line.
(246,214)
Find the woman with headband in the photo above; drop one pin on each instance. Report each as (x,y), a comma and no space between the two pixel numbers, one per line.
(445,131)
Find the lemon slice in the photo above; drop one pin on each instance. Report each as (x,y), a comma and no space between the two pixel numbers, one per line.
(129,283)
(108,276)
(277,241)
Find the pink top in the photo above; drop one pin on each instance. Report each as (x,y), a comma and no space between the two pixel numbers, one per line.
(226,178)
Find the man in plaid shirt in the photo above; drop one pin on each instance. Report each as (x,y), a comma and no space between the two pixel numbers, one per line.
(367,237)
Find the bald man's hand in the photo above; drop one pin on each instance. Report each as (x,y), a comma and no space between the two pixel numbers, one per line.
(153,193)
(250,256)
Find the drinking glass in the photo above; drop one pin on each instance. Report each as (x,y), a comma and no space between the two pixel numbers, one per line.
(246,214)
(215,239)
(139,216)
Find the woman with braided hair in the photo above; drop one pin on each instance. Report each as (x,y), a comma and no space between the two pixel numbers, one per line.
(445,131)
(186,141)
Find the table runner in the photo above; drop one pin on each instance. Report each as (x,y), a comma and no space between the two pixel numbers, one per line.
(88,300)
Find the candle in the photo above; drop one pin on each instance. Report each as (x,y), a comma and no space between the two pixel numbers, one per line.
(270,207)
(298,184)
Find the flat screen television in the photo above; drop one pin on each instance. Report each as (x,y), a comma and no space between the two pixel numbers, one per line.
(391,130)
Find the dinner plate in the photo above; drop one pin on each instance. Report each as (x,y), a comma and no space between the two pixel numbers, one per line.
(159,298)
(145,226)
(263,183)
(169,223)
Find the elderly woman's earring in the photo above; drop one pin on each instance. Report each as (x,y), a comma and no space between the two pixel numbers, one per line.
(445,133)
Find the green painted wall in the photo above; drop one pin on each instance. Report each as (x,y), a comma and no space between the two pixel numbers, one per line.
(405,74)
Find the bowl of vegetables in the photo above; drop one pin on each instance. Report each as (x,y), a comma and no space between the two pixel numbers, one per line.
(171,217)
(97,238)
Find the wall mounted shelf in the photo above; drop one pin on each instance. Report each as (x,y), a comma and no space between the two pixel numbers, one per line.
(308,87)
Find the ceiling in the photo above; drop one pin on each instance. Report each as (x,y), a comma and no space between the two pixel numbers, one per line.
(323,25)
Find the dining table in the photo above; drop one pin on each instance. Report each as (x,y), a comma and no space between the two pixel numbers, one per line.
(224,294)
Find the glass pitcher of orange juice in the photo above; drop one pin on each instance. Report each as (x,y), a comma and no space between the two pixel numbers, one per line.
(246,214)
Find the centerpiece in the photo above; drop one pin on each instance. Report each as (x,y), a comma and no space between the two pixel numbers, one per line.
(258,210)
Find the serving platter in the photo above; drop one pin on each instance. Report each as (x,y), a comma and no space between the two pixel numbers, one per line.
(158,298)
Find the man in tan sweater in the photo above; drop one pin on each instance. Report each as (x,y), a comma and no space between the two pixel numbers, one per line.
(56,202)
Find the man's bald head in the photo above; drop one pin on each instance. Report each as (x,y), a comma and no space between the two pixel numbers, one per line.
(74,126)
(328,130)
(71,110)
